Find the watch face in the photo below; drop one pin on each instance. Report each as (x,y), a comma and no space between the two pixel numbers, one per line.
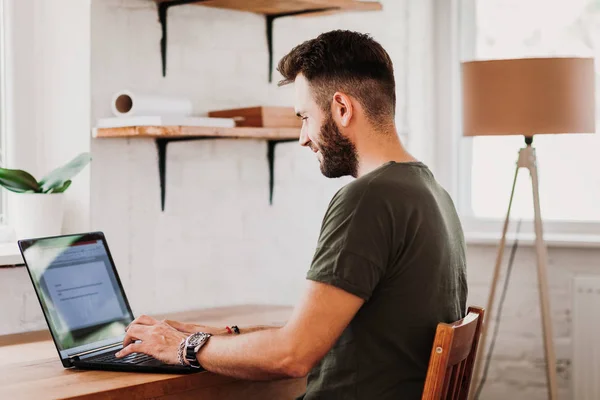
(197,339)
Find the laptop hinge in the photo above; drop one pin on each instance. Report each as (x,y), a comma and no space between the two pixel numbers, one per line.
(83,353)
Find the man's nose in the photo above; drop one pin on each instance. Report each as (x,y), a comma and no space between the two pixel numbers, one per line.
(304,140)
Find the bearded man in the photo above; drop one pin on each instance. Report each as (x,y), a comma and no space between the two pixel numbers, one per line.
(389,263)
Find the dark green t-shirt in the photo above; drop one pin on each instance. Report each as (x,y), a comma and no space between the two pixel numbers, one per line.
(393,238)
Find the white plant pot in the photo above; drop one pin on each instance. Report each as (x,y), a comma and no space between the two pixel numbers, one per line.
(36,215)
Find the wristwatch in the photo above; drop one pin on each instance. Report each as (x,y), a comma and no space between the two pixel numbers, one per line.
(193,344)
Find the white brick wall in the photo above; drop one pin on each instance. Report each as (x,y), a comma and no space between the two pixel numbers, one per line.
(218,241)
(518,365)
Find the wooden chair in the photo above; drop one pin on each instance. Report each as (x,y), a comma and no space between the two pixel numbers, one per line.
(453,358)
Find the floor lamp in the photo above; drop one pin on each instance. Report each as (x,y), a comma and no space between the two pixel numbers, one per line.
(527,97)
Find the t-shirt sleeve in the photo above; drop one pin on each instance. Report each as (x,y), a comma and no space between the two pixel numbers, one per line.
(355,242)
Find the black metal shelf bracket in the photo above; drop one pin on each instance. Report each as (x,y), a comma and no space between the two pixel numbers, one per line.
(163,11)
(270,18)
(161,146)
(271,159)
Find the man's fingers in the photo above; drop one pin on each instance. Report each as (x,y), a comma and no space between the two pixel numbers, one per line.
(142,320)
(132,348)
(136,332)
(128,339)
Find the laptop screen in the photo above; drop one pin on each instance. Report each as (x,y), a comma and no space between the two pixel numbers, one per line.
(79,291)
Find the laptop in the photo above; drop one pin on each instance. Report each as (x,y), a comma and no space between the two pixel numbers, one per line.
(84,304)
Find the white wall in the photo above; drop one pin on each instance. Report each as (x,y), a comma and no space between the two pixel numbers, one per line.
(218,241)
(518,365)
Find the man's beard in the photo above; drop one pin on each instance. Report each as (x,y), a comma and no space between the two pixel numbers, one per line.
(338,153)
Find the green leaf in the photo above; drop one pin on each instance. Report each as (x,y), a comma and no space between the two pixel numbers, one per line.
(62,188)
(18,181)
(58,177)
(13,189)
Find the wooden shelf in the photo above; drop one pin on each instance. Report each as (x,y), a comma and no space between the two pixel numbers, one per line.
(174,132)
(276,7)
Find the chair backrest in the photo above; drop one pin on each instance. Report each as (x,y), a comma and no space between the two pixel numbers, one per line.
(453,357)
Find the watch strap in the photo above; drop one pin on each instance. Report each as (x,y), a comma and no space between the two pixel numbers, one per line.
(193,344)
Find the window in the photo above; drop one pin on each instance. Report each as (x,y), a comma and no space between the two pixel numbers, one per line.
(569,165)
(2,110)
(478,171)
(569,184)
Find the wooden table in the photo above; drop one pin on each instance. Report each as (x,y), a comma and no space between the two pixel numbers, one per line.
(33,370)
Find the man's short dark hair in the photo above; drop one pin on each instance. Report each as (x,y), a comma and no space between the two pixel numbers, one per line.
(349,62)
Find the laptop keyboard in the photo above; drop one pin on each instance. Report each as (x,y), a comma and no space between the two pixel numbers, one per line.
(133,358)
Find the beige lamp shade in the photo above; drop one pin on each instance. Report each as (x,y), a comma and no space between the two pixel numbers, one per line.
(528,96)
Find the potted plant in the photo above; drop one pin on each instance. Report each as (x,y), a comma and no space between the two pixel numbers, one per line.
(38,206)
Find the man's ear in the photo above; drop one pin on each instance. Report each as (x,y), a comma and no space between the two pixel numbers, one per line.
(342,109)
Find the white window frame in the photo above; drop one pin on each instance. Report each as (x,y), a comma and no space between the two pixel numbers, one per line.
(454,24)
(4,229)
(9,253)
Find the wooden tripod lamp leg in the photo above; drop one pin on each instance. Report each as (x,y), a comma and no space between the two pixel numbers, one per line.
(490,304)
(542,267)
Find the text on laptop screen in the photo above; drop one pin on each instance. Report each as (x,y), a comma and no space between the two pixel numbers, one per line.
(78,290)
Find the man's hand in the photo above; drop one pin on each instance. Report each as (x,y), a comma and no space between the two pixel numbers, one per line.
(157,339)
